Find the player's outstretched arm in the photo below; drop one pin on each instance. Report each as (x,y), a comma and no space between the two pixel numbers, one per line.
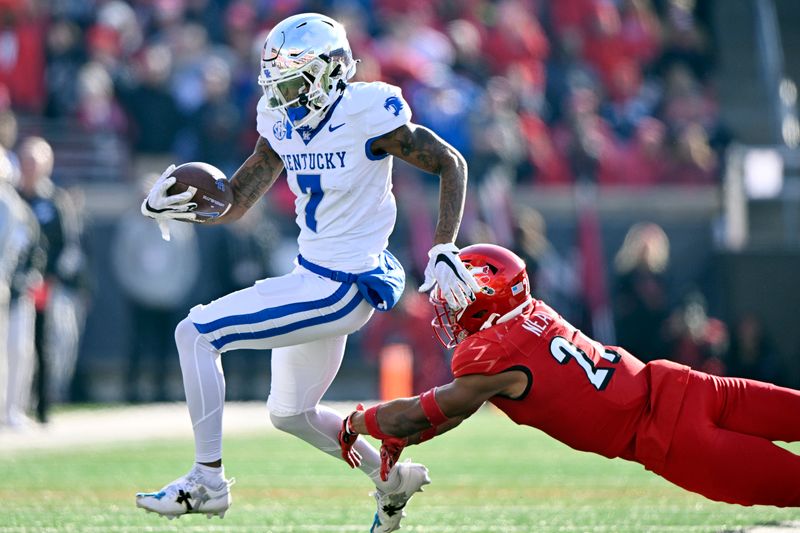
(405,421)
(442,408)
(422,148)
(253,178)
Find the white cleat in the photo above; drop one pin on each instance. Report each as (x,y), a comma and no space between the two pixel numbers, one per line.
(188,495)
(390,506)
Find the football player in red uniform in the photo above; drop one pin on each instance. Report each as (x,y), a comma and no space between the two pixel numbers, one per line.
(708,434)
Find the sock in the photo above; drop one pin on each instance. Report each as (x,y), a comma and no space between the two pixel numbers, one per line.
(213,476)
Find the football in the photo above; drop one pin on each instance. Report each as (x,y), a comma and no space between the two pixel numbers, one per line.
(214,195)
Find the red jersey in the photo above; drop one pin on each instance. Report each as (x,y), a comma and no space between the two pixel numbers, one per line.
(591,397)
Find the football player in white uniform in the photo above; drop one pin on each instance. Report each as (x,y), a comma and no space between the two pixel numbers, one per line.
(336,141)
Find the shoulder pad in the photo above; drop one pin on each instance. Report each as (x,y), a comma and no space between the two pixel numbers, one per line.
(361,96)
(478,354)
(265,118)
(381,106)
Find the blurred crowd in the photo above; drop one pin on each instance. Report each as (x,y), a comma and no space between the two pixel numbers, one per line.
(611,91)
(532,92)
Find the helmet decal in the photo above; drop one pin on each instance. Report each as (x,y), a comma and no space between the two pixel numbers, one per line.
(505,289)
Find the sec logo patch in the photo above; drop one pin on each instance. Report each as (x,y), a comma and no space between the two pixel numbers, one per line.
(279,130)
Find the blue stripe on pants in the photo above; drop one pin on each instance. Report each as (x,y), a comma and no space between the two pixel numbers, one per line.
(274,332)
(273,312)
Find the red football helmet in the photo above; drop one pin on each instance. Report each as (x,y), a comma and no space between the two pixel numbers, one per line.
(504,286)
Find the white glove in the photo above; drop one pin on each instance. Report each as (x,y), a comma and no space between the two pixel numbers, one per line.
(161,207)
(446,270)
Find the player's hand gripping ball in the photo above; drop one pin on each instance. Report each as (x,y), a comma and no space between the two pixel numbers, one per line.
(212,191)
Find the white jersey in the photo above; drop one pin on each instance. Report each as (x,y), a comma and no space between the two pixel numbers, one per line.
(344,202)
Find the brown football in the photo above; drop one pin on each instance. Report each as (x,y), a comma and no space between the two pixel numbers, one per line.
(214,195)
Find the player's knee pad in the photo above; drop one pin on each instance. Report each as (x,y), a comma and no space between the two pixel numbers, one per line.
(185,332)
(294,424)
(189,341)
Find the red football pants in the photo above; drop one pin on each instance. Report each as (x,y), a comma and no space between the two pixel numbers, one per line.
(722,446)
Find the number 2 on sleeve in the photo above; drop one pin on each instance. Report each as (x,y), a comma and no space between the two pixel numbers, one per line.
(311,184)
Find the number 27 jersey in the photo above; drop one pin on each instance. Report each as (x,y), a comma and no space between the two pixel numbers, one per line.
(344,204)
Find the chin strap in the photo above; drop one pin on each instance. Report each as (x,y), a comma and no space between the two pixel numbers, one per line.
(514,312)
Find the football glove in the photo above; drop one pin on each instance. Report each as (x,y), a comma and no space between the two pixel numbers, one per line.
(161,207)
(446,270)
(347,439)
(391,449)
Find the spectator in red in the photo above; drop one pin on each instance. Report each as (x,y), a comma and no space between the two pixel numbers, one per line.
(640,30)
(570,20)
(517,38)
(646,156)
(22,57)
(604,47)
(550,167)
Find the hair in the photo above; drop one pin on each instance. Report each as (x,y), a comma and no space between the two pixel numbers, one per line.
(38,148)
(645,243)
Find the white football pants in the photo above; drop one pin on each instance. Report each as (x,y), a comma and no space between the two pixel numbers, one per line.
(305,320)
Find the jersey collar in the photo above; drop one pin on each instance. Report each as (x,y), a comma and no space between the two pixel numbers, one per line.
(307,134)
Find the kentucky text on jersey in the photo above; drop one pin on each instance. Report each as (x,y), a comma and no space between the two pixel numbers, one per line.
(313,161)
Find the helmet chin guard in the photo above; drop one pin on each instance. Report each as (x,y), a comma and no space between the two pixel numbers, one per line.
(505,292)
(305,62)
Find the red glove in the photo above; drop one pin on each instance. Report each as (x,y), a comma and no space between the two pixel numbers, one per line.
(391,449)
(347,439)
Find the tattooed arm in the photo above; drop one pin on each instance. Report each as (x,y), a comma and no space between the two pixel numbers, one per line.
(252,180)
(422,148)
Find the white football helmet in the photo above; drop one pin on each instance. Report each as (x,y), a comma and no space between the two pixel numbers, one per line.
(305,62)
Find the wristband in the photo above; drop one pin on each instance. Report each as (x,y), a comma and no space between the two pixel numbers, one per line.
(371,421)
(431,408)
(348,422)
(428,434)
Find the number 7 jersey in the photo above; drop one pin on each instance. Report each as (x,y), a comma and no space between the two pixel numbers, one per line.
(344,203)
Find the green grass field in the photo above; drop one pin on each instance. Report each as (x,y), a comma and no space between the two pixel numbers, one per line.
(488,476)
